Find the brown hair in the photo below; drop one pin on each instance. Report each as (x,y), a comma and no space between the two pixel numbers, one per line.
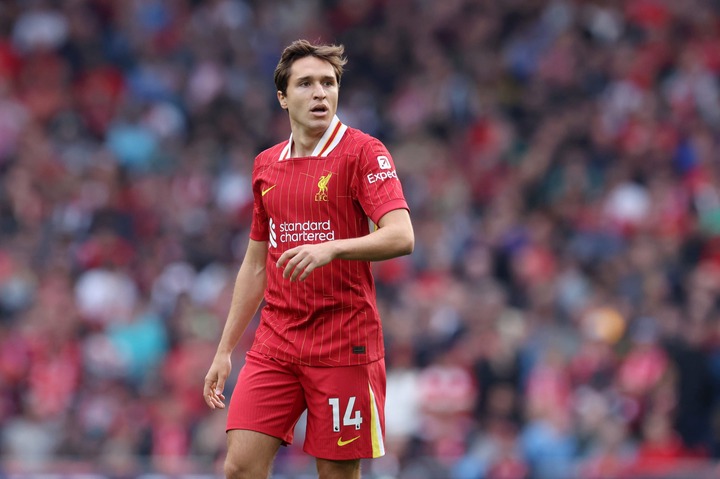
(332,54)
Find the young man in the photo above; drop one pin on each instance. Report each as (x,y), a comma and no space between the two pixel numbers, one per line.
(319,344)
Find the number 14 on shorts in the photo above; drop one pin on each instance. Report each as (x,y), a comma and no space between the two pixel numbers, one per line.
(350,418)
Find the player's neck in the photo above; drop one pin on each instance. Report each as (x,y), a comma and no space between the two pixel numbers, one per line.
(304,143)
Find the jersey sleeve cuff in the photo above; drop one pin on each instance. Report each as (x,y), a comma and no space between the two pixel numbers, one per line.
(258,236)
(398,204)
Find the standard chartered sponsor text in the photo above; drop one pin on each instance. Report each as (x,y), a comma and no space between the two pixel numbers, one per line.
(306,231)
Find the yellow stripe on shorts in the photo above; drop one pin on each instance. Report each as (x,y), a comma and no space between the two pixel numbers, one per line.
(376,433)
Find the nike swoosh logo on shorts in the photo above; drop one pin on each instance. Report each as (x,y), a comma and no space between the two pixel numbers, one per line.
(342,443)
(266,191)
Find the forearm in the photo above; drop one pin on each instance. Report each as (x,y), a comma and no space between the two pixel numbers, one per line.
(247,295)
(393,238)
(379,245)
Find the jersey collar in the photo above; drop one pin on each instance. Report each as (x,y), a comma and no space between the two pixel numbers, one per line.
(327,143)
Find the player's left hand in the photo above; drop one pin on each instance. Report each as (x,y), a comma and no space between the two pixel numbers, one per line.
(302,260)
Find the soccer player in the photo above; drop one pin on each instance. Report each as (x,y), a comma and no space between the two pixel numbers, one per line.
(319,344)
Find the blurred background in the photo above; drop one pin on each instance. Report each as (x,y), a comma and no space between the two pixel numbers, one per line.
(559,318)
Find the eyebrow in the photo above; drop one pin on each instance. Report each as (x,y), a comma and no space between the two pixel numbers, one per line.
(310,77)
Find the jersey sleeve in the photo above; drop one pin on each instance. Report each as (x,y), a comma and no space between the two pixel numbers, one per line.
(378,187)
(259,227)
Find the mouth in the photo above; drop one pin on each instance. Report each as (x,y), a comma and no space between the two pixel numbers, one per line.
(319,110)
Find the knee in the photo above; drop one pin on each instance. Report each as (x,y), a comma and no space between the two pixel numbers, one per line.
(235,469)
(329,469)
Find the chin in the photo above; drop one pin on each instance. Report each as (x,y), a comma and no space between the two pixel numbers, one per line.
(320,122)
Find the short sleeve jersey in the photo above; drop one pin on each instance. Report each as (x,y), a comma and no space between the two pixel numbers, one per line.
(330,318)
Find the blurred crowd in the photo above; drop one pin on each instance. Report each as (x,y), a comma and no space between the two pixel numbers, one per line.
(559,318)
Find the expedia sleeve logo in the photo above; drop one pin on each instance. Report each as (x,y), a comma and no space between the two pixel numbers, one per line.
(385,165)
(382,176)
(384,162)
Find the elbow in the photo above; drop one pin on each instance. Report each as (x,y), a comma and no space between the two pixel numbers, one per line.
(407,245)
(400,237)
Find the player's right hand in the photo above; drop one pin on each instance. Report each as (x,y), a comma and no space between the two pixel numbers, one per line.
(215,382)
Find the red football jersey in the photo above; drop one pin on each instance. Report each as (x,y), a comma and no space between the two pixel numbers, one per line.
(330,318)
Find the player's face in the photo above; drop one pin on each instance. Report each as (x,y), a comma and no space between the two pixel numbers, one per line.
(312,95)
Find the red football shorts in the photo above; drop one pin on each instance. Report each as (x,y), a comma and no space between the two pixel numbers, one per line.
(346,405)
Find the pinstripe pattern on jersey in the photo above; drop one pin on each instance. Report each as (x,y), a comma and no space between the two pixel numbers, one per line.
(330,319)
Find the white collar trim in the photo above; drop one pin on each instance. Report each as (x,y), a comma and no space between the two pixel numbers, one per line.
(330,139)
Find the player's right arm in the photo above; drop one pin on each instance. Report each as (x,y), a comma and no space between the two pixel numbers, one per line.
(247,295)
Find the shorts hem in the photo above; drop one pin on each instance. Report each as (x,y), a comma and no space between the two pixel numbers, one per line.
(340,457)
(285,442)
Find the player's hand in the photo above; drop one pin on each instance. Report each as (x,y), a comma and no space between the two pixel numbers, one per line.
(300,261)
(215,382)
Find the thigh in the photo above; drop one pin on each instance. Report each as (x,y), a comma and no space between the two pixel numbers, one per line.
(250,454)
(346,417)
(267,398)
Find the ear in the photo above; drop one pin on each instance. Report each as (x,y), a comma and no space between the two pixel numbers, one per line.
(283,101)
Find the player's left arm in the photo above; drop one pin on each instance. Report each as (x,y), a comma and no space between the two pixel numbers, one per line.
(393,237)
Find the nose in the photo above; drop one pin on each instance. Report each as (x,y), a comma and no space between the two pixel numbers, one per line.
(319,91)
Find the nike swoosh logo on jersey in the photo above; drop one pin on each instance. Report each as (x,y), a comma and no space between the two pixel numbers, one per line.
(267,190)
(342,443)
